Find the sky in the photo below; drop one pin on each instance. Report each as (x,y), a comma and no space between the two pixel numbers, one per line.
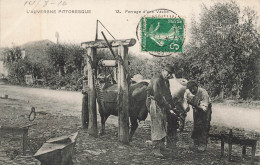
(18,25)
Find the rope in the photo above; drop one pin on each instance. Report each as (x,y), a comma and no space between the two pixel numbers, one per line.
(32,114)
(104,28)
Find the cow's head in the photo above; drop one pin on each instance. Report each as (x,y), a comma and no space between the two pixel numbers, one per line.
(178,88)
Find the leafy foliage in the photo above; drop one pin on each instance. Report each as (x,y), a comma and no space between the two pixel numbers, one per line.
(12,55)
(222,44)
(14,63)
(57,56)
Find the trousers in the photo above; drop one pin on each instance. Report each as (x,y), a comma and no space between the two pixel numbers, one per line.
(201,125)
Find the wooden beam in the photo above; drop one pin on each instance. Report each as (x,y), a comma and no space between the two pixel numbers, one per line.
(115,74)
(84,112)
(92,126)
(16,130)
(25,140)
(108,63)
(123,114)
(113,43)
(222,147)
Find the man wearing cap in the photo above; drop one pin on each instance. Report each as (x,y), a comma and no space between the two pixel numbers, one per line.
(159,103)
(199,99)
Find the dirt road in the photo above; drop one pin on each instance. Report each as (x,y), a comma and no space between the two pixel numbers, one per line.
(231,116)
(59,113)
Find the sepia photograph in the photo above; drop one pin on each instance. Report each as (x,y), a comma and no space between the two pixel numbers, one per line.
(127,82)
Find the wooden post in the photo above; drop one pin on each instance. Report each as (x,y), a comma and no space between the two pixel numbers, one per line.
(253,152)
(229,150)
(243,152)
(92,126)
(222,146)
(85,118)
(230,136)
(84,111)
(115,74)
(25,139)
(123,114)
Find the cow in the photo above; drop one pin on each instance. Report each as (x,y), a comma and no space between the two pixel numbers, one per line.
(138,93)
(107,102)
(178,88)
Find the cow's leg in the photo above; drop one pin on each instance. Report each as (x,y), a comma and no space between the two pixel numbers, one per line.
(103,122)
(134,125)
(182,121)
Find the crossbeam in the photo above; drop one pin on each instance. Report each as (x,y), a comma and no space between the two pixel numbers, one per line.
(113,43)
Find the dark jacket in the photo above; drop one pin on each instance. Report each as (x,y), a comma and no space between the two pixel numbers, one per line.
(160,89)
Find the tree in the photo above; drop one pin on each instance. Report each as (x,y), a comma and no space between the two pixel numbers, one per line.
(12,55)
(74,58)
(222,42)
(15,64)
(57,57)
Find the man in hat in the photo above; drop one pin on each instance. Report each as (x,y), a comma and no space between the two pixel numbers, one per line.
(159,103)
(199,99)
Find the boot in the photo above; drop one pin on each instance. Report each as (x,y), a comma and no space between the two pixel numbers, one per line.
(171,149)
(166,149)
(171,144)
(194,146)
(202,148)
(157,152)
(158,144)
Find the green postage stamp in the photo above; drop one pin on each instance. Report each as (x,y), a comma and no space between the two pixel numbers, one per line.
(162,34)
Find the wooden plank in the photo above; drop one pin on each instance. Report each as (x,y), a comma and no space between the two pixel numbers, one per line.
(25,140)
(29,125)
(115,74)
(243,152)
(84,109)
(84,115)
(113,43)
(229,150)
(222,147)
(92,126)
(123,114)
(16,130)
(6,129)
(253,153)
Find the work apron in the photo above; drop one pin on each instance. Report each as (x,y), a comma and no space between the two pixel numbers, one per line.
(158,120)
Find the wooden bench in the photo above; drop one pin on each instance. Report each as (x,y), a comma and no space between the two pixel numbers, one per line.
(18,130)
(230,139)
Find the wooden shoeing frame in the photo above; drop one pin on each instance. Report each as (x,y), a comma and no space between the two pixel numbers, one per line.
(89,109)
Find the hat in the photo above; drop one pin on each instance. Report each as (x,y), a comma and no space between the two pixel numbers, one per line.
(169,68)
(192,84)
(137,78)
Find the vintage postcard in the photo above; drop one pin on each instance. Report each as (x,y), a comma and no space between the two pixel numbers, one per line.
(129,82)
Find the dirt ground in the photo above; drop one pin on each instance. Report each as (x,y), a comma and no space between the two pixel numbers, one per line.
(56,116)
